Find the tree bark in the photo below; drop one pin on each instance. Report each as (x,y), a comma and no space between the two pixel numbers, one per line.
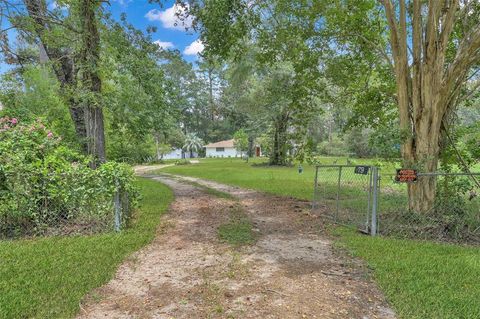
(279,150)
(62,63)
(427,86)
(90,82)
(251,145)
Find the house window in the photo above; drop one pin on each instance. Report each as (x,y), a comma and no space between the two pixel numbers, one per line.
(220,149)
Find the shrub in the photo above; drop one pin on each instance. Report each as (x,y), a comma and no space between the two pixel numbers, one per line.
(46,188)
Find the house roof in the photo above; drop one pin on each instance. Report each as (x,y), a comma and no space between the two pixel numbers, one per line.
(227,143)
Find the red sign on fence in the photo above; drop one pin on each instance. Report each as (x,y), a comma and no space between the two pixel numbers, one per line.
(406,175)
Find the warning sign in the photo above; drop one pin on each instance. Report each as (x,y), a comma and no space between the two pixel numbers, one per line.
(406,175)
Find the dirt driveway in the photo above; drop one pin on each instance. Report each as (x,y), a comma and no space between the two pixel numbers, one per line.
(291,271)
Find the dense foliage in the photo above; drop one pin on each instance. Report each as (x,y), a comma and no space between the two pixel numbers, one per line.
(46,187)
(300,78)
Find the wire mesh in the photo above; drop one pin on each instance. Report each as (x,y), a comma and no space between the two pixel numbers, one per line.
(452,215)
(449,212)
(69,212)
(344,194)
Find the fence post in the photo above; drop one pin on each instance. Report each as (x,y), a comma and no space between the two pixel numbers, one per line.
(370,186)
(117,208)
(315,189)
(374,201)
(338,191)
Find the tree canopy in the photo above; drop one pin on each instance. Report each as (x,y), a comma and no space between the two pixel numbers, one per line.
(389,78)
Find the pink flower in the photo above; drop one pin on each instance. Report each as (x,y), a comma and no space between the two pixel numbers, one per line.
(50,134)
(14,121)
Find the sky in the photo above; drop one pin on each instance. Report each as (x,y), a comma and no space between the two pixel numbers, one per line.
(171,33)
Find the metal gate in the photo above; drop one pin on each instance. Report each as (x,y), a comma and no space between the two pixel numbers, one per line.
(347,195)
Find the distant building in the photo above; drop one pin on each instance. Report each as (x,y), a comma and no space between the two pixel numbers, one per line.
(177,154)
(221,149)
(225,149)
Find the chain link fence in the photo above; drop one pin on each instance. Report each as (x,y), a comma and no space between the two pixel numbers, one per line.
(374,202)
(346,194)
(454,214)
(70,212)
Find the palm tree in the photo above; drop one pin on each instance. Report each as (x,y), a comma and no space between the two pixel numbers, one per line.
(192,143)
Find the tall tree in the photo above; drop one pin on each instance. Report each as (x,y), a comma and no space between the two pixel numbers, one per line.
(61,57)
(89,81)
(284,34)
(135,102)
(75,64)
(435,47)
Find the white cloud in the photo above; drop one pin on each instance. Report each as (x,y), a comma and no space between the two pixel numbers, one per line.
(194,48)
(175,17)
(164,45)
(123,3)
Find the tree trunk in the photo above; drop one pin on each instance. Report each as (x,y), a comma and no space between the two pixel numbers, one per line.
(95,133)
(90,83)
(251,144)
(77,114)
(279,150)
(63,65)
(427,88)
(210,93)
(426,144)
(421,194)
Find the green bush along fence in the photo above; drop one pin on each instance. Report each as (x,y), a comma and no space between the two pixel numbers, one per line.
(47,188)
(76,203)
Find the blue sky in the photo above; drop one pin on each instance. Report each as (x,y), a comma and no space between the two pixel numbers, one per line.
(170,36)
(171,32)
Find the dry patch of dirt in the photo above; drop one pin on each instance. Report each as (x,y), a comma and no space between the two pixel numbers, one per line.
(146,169)
(290,272)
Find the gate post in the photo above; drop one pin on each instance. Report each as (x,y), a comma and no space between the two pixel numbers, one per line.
(117,207)
(373,228)
(315,189)
(338,192)
(369,201)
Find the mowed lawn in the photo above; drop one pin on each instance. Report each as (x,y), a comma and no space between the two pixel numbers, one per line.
(254,175)
(48,277)
(420,279)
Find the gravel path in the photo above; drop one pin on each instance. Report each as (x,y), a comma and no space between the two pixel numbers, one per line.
(291,271)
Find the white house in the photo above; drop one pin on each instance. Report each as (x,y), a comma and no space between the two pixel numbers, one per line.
(221,149)
(177,154)
(226,149)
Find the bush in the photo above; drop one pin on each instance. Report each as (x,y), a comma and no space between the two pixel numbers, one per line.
(46,188)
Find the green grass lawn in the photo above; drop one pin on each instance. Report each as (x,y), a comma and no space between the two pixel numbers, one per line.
(275,180)
(420,279)
(48,277)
